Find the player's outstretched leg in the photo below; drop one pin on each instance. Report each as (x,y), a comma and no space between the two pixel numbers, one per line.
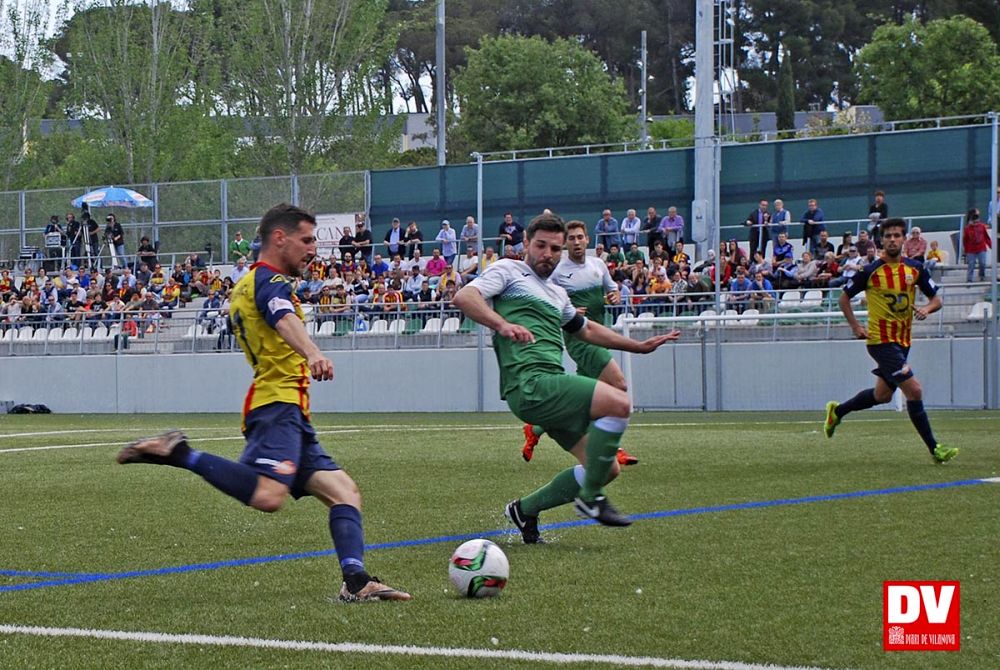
(531,436)
(918,417)
(865,399)
(234,479)
(613,375)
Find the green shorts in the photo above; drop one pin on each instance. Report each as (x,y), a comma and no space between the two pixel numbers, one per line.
(558,403)
(589,358)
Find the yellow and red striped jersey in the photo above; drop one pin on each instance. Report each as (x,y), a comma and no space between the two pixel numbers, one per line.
(260,299)
(891,289)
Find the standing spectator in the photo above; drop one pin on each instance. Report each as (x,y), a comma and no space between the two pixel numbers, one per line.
(146,253)
(812,225)
(878,212)
(975,242)
(993,211)
(346,243)
(915,245)
(254,251)
(672,229)
(94,232)
(607,230)
(238,248)
(631,225)
(470,233)
(759,221)
(651,226)
(240,271)
(780,220)
(362,241)
(55,253)
(414,240)
(395,240)
(74,233)
(511,236)
(115,236)
(446,236)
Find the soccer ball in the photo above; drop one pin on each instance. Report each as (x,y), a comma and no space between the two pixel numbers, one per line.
(479,569)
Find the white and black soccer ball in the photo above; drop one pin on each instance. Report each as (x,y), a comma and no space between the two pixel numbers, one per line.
(479,569)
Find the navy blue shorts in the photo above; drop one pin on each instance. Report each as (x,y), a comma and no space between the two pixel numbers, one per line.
(892,366)
(282,445)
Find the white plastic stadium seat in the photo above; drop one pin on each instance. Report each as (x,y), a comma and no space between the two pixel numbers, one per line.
(189,333)
(980,311)
(812,300)
(25,334)
(750,318)
(311,328)
(451,325)
(433,325)
(708,323)
(730,317)
(40,335)
(327,328)
(7,335)
(71,334)
(55,334)
(790,301)
(398,326)
(379,327)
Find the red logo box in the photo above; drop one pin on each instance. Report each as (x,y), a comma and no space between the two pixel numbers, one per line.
(921,616)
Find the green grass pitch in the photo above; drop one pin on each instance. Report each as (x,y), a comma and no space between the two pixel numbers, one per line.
(791,585)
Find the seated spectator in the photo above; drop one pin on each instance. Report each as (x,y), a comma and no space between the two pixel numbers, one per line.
(829,270)
(449,274)
(616,258)
(707,263)
(678,289)
(680,258)
(347,263)
(760,264)
(392,300)
(468,265)
(196,261)
(239,271)
(845,246)
(425,298)
(735,252)
(157,279)
(210,311)
(396,268)
(436,266)
(171,295)
(740,289)
(659,252)
(143,274)
(633,254)
(6,285)
(798,276)
(489,257)
(762,295)
(414,282)
(216,284)
(379,266)
(150,313)
(915,245)
(824,245)
(864,244)
(599,252)
(935,257)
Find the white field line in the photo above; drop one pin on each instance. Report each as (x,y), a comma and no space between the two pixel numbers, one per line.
(386,649)
(395,428)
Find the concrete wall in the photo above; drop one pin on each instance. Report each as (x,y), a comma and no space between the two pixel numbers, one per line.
(755,376)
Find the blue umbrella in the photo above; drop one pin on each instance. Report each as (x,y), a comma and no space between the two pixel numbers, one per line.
(113,196)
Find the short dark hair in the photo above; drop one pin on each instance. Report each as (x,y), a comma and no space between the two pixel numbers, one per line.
(283,216)
(550,223)
(894,222)
(576,223)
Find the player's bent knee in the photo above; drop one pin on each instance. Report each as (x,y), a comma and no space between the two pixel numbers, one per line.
(614,472)
(269,496)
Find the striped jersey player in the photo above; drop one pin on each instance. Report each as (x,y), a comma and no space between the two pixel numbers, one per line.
(890,285)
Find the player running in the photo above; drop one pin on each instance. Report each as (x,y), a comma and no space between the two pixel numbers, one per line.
(588,283)
(585,416)
(890,285)
(282,455)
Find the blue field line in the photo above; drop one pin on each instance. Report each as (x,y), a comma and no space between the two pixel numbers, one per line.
(86,578)
(40,573)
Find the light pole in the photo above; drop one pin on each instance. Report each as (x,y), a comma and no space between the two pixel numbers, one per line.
(440,69)
(643,118)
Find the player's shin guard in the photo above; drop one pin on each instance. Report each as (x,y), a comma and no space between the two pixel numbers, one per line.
(603,439)
(863,400)
(349,541)
(915,408)
(561,490)
(234,479)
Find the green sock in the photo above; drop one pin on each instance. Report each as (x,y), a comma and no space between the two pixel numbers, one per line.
(537,430)
(602,445)
(561,490)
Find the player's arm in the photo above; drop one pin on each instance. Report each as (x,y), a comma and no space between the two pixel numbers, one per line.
(857,328)
(293,331)
(928,288)
(474,305)
(602,336)
(611,292)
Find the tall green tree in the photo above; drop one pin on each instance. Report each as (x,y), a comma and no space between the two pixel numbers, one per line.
(944,68)
(786,94)
(294,70)
(24,58)
(523,92)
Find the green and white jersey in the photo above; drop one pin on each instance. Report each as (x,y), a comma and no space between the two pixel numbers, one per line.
(586,283)
(523,298)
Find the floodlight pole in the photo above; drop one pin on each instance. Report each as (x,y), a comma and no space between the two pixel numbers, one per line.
(643,117)
(440,71)
(480,331)
(994,345)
